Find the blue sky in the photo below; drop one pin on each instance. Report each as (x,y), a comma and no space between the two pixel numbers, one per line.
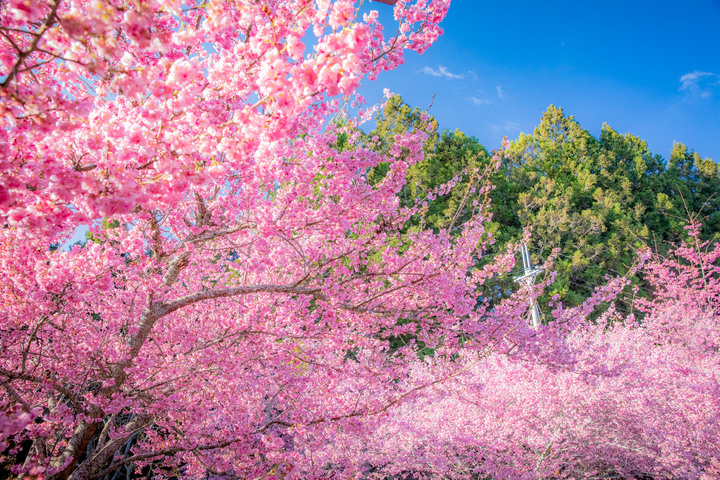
(651,68)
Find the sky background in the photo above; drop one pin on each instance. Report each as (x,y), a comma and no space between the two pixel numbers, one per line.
(650,68)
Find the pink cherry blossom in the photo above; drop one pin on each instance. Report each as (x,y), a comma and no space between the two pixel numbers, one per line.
(248,305)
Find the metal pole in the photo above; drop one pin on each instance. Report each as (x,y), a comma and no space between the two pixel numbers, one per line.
(529,279)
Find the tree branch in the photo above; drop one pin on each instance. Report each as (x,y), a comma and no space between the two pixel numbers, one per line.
(24,54)
(237,291)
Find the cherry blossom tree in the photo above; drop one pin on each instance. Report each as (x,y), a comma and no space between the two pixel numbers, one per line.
(249,305)
(627,400)
(245,293)
(110,107)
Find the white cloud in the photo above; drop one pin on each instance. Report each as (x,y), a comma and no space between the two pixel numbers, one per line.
(500,92)
(442,72)
(479,101)
(699,84)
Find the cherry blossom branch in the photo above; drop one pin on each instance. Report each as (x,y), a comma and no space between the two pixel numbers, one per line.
(22,55)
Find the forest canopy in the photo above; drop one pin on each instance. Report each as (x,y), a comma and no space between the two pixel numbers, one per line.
(597,200)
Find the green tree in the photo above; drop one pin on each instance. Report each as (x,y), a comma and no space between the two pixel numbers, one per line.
(596,200)
(690,187)
(396,118)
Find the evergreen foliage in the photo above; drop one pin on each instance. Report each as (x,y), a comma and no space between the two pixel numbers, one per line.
(595,201)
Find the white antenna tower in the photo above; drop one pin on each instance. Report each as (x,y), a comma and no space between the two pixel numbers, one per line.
(529,279)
